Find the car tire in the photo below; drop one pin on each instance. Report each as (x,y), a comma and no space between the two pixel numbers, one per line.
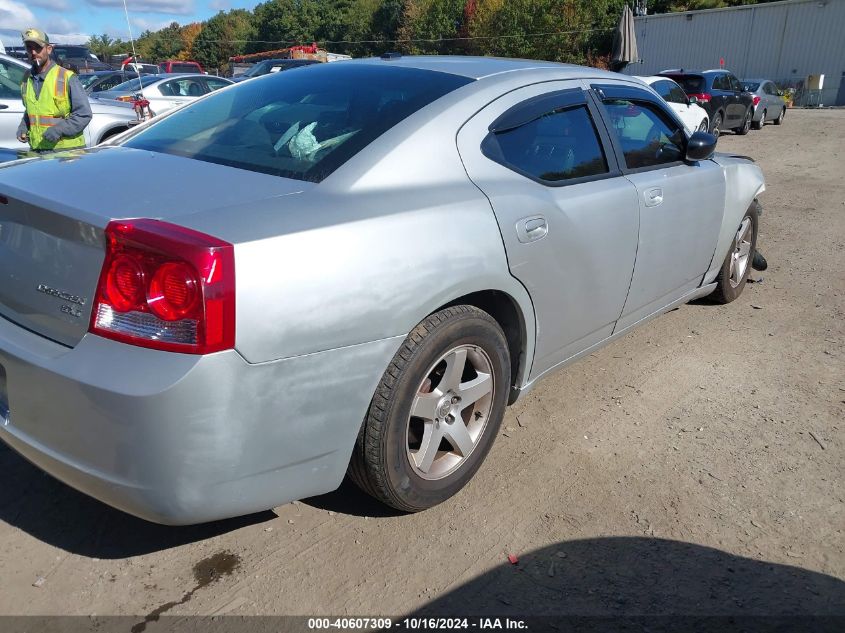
(716,126)
(758,125)
(782,114)
(736,267)
(704,126)
(746,124)
(395,458)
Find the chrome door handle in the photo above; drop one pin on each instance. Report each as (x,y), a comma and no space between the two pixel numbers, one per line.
(653,197)
(531,229)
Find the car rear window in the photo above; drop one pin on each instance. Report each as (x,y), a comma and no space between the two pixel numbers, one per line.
(184,68)
(297,125)
(750,86)
(692,84)
(133,84)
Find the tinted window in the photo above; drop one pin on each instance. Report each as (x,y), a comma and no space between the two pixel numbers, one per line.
(87,80)
(560,145)
(692,84)
(734,83)
(297,125)
(663,88)
(676,95)
(11,77)
(133,84)
(721,82)
(646,135)
(184,68)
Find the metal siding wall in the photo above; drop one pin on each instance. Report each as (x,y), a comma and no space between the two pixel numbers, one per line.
(764,40)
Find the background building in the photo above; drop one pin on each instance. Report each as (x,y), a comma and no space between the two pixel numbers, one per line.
(782,41)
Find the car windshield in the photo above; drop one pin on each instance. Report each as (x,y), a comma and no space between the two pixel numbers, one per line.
(692,84)
(750,86)
(87,80)
(132,85)
(297,125)
(257,69)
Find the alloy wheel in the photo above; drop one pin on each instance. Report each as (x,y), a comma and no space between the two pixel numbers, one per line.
(741,255)
(450,411)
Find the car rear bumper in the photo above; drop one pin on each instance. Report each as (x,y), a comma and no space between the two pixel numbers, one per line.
(180,439)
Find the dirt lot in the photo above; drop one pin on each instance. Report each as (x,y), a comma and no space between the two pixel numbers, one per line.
(695,466)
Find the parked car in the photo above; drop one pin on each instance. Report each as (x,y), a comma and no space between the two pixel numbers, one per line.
(138,67)
(180,66)
(109,118)
(165,92)
(720,94)
(768,104)
(268,66)
(106,79)
(77,58)
(693,116)
(354,268)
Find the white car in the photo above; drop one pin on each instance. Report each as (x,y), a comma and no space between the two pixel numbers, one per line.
(692,115)
(109,118)
(166,91)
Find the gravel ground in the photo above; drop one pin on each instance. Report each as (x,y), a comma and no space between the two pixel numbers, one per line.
(693,467)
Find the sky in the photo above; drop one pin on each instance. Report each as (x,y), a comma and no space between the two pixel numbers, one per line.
(74,21)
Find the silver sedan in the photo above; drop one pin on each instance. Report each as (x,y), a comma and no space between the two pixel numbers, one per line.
(352,269)
(165,91)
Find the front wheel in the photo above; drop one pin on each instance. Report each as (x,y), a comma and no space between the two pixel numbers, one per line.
(737,265)
(436,411)
(703,126)
(716,127)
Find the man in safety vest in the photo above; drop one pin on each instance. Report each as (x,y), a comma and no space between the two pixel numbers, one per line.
(56,108)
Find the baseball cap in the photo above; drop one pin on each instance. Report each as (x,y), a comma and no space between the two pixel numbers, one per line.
(36,36)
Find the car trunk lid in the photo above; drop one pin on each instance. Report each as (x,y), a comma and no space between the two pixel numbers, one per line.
(52,222)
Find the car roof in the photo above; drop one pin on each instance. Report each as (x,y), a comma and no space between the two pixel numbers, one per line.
(755,79)
(483,67)
(652,78)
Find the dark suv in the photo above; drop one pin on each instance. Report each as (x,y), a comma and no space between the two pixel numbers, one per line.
(721,94)
(77,58)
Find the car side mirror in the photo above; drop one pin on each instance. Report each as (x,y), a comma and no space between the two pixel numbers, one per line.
(692,100)
(701,146)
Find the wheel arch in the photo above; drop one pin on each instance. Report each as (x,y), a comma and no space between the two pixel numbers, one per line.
(112,131)
(510,316)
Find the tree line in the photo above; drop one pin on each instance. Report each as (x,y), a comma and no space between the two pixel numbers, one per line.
(574,31)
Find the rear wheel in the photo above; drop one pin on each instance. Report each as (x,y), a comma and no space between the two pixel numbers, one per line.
(737,265)
(758,125)
(746,124)
(436,411)
(782,114)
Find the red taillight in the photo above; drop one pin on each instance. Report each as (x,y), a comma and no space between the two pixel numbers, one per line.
(701,96)
(756,101)
(166,287)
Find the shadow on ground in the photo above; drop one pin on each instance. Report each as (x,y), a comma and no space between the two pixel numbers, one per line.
(629,576)
(350,499)
(56,514)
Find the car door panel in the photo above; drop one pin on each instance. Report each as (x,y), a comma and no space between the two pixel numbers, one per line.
(680,204)
(572,245)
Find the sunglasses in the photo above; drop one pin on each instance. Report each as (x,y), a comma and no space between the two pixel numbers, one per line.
(32,46)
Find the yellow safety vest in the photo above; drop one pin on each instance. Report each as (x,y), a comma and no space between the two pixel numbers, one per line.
(51,107)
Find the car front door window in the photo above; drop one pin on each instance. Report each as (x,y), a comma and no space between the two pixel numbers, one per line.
(646,137)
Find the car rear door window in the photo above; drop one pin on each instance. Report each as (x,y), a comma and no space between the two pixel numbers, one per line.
(734,83)
(557,146)
(646,135)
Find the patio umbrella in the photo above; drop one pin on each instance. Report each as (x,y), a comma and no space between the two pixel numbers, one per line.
(624,42)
